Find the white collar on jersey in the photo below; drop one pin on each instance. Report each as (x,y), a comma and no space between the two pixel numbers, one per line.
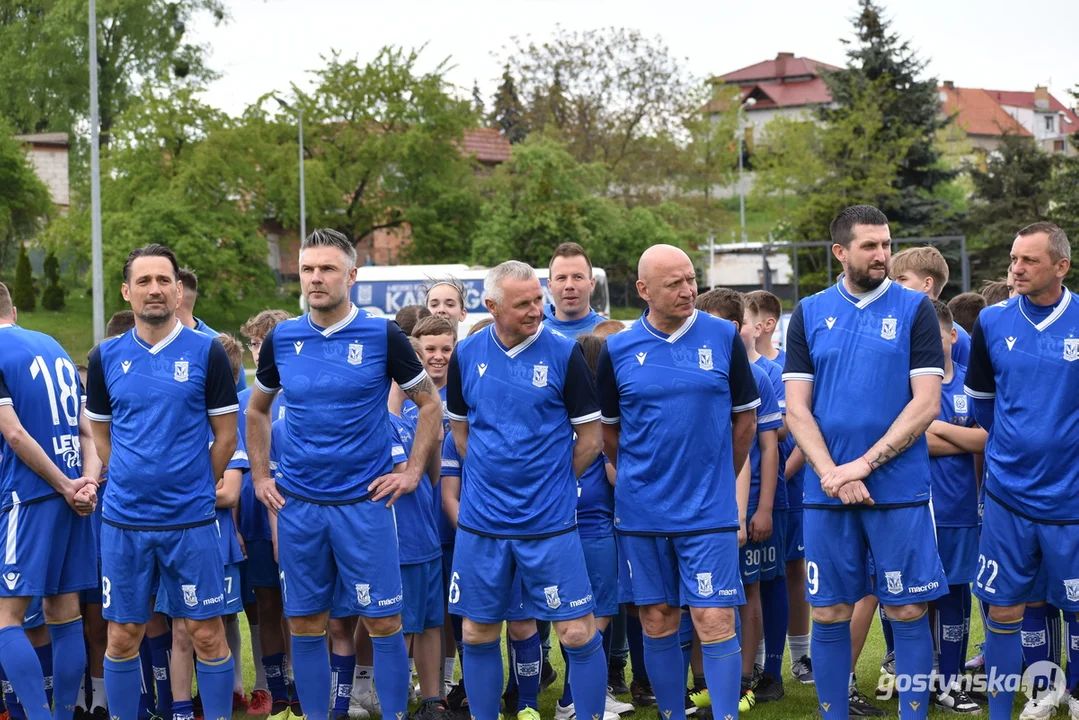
(352,313)
(673,337)
(6,325)
(163,342)
(1057,311)
(519,347)
(864,300)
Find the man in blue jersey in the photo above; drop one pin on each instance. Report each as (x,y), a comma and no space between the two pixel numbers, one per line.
(335,481)
(679,411)
(185,311)
(516,394)
(863,374)
(1021,375)
(924,269)
(571,285)
(48,477)
(155,397)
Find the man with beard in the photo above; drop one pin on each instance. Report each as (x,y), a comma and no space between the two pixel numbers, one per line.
(867,487)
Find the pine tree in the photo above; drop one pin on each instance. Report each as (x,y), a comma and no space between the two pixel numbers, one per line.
(53,296)
(23,294)
(557,105)
(911,108)
(477,100)
(508,114)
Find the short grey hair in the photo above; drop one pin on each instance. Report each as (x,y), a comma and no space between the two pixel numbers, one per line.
(328,237)
(1059,247)
(509,270)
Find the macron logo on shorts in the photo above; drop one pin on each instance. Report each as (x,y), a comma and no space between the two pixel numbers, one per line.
(11,579)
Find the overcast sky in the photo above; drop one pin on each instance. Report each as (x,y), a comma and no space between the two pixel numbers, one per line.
(991,44)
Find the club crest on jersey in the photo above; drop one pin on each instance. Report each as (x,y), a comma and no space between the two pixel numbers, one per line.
(355,353)
(1071,349)
(704,584)
(959,402)
(551,594)
(179,373)
(190,597)
(1071,587)
(704,358)
(895,582)
(539,379)
(363,594)
(887,328)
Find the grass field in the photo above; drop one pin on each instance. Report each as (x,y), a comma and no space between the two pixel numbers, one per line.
(801,700)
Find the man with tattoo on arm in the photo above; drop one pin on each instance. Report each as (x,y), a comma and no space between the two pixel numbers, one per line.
(863,374)
(335,480)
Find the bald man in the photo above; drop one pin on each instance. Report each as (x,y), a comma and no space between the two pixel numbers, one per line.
(678,402)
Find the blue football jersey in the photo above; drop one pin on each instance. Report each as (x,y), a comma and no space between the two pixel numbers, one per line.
(775,375)
(595,501)
(571,328)
(961,347)
(411,411)
(1025,358)
(417,527)
(860,353)
(521,404)
(38,380)
(769,417)
(673,396)
(796,482)
(226,524)
(451,467)
(254,518)
(336,381)
(159,400)
(955,484)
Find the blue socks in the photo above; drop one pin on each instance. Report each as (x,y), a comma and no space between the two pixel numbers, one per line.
(685,639)
(1035,635)
(23,670)
(215,686)
(914,658)
(392,673)
(663,659)
(526,657)
(123,686)
(146,666)
(1003,659)
(951,631)
(69,661)
(829,646)
(723,674)
(44,658)
(775,608)
(342,668)
(1054,625)
(635,647)
(886,629)
(160,652)
(1071,645)
(588,673)
(182,710)
(482,668)
(276,682)
(311,669)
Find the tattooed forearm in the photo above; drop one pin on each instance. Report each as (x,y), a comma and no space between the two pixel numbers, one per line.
(423,387)
(899,438)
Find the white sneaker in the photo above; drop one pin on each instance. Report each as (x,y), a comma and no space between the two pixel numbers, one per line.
(616,706)
(366,702)
(570,713)
(1073,708)
(1041,709)
(357,711)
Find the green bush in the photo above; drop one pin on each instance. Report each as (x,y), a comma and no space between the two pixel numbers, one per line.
(23,293)
(53,297)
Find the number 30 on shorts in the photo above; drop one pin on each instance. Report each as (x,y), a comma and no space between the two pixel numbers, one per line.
(992,568)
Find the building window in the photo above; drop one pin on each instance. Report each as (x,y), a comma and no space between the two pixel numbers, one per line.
(1050,126)
(1058,146)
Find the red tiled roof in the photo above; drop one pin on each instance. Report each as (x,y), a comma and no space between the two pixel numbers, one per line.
(790,94)
(488,145)
(978,113)
(1023,99)
(783,65)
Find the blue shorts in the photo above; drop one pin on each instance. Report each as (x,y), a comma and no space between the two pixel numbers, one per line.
(187,561)
(684,570)
(447,564)
(958,553)
(247,591)
(796,549)
(34,617)
(903,545)
(262,570)
(93,595)
(766,560)
(625,584)
(424,605)
(552,571)
(520,603)
(320,546)
(1021,560)
(601,559)
(166,604)
(49,550)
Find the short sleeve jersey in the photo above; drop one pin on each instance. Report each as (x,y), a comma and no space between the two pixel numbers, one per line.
(159,400)
(521,404)
(571,328)
(595,501)
(451,467)
(860,354)
(39,381)
(1025,358)
(254,519)
(775,375)
(769,417)
(335,382)
(961,347)
(417,527)
(226,525)
(673,396)
(955,485)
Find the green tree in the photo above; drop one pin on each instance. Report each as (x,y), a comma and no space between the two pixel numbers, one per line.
(1014,189)
(1065,189)
(53,296)
(708,161)
(910,107)
(24,199)
(23,293)
(507,114)
(477,100)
